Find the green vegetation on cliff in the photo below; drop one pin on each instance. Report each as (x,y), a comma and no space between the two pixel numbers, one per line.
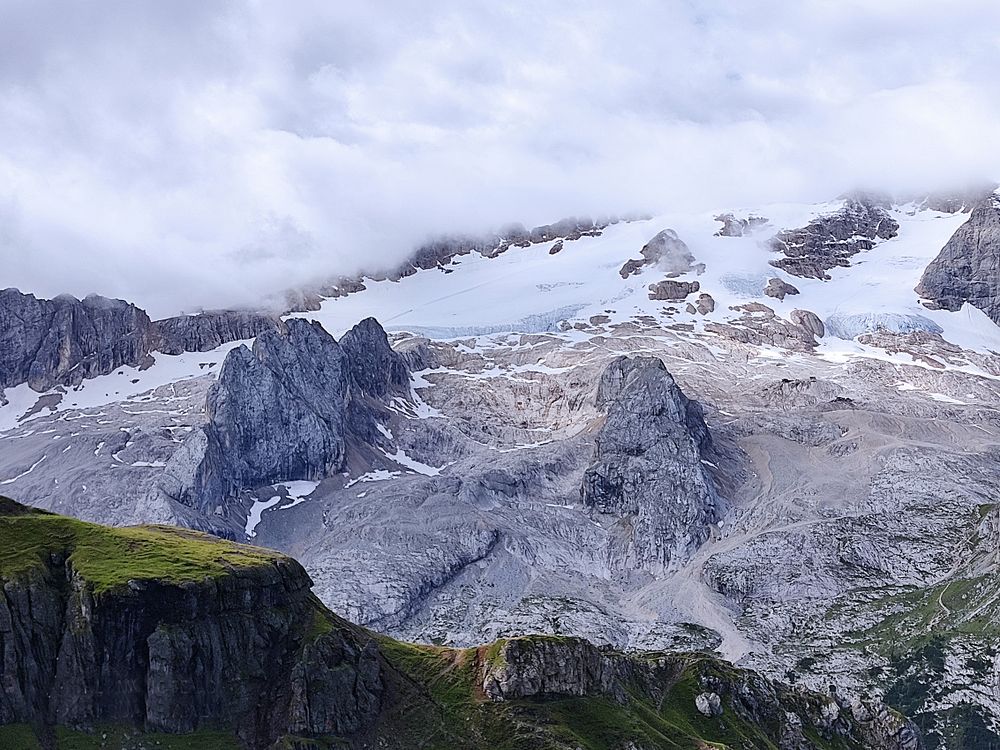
(325,683)
(111,557)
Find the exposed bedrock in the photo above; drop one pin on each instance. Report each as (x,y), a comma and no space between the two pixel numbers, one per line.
(832,240)
(648,467)
(289,409)
(62,341)
(242,651)
(667,252)
(540,668)
(209,330)
(968,267)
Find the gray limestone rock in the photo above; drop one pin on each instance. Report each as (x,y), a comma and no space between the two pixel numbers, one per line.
(208,330)
(287,410)
(63,341)
(810,321)
(668,253)
(672,291)
(779,289)
(830,241)
(735,227)
(648,467)
(968,267)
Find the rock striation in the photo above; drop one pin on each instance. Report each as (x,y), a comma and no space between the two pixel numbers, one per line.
(968,267)
(289,409)
(62,341)
(205,331)
(830,241)
(648,468)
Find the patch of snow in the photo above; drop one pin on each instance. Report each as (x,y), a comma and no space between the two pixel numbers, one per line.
(25,473)
(402,459)
(256,511)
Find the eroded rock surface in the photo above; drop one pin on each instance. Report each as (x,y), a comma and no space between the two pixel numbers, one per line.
(648,468)
(968,267)
(831,241)
(62,341)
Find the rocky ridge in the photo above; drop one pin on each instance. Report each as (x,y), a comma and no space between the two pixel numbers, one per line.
(830,241)
(292,408)
(159,630)
(967,270)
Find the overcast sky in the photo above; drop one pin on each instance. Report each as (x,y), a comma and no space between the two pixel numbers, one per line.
(186,152)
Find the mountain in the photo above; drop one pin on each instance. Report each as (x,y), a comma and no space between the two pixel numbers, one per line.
(156,636)
(759,433)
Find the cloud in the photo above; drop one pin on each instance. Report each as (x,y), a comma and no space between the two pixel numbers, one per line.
(204,153)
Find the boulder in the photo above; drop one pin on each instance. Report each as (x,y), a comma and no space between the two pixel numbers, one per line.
(672,291)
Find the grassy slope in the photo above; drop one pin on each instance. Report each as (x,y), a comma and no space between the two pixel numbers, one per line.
(444,709)
(111,557)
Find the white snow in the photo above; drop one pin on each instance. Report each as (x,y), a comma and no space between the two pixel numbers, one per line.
(116,387)
(256,511)
(25,473)
(527,290)
(298,491)
(400,457)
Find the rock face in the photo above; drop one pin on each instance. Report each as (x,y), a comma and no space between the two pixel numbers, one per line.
(209,330)
(668,253)
(734,227)
(546,668)
(672,291)
(830,241)
(252,650)
(98,636)
(287,410)
(779,289)
(968,267)
(63,341)
(648,466)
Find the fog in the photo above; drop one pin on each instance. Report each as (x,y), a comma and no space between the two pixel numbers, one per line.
(192,153)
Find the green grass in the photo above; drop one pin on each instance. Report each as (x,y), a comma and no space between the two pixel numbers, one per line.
(109,558)
(446,709)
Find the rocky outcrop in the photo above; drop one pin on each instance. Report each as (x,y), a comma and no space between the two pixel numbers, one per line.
(289,409)
(648,467)
(251,650)
(205,331)
(734,227)
(45,343)
(759,325)
(779,288)
(968,267)
(832,240)
(63,341)
(672,291)
(809,321)
(668,253)
(538,668)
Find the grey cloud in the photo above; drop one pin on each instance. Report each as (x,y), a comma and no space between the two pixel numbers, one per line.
(199,153)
